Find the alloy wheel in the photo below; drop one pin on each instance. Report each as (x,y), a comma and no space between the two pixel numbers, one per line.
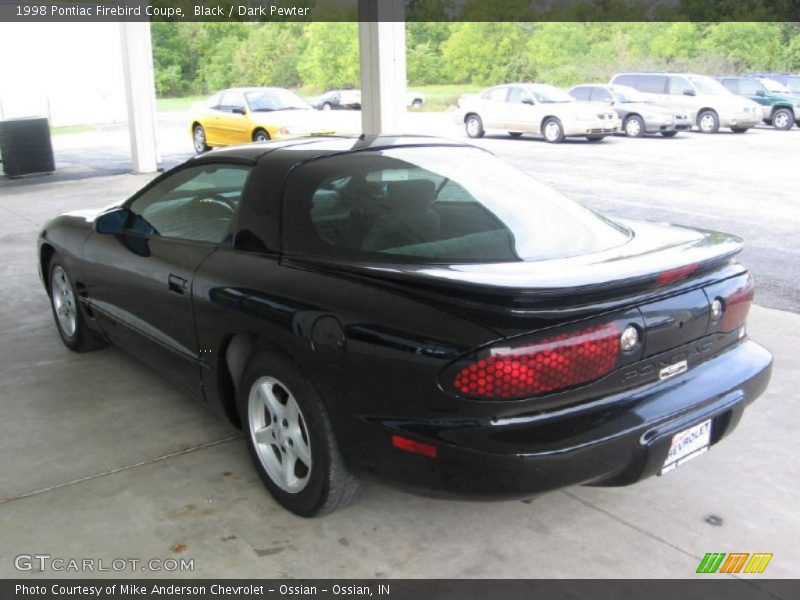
(261,137)
(782,120)
(63,301)
(279,434)
(708,123)
(552,131)
(633,128)
(199,139)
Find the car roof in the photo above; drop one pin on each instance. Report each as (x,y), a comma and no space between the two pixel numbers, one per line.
(251,153)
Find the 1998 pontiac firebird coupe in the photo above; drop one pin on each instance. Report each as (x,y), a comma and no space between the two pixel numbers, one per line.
(417,309)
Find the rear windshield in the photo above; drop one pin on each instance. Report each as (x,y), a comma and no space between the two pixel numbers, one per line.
(434,205)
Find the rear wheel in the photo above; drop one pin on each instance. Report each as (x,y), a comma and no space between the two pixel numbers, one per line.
(552,131)
(474,126)
(260,136)
(783,119)
(199,139)
(634,126)
(708,122)
(291,440)
(69,320)
(669,134)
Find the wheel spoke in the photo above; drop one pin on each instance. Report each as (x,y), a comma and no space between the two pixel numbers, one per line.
(264,435)
(275,408)
(289,478)
(299,447)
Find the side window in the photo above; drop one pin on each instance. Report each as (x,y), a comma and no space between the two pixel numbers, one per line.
(600,95)
(516,94)
(496,94)
(793,83)
(679,86)
(651,84)
(748,87)
(629,80)
(731,84)
(214,101)
(581,93)
(231,101)
(197,203)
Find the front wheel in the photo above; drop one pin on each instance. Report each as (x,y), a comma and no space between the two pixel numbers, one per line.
(326,106)
(708,122)
(634,126)
(69,320)
(291,439)
(783,119)
(553,131)
(739,129)
(199,139)
(261,136)
(474,126)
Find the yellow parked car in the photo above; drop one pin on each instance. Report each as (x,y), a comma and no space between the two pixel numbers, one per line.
(241,115)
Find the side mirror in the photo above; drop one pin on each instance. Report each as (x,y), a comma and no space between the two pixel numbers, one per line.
(113,221)
(527,101)
(761,93)
(238,110)
(689,93)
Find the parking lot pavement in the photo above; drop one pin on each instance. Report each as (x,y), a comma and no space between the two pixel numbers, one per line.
(102,458)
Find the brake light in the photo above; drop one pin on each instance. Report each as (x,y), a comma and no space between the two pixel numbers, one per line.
(675,274)
(737,305)
(553,363)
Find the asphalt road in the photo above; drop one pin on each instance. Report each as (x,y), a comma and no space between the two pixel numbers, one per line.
(742,184)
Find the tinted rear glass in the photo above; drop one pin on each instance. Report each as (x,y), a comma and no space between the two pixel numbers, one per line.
(652,84)
(434,205)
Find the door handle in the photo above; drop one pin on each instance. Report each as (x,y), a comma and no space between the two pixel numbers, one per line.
(177,284)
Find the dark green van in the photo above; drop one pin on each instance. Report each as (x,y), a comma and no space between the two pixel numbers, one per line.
(780,107)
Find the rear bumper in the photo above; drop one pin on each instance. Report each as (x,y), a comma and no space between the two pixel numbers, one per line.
(637,428)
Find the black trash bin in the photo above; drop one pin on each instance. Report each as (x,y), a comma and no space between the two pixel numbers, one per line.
(26,147)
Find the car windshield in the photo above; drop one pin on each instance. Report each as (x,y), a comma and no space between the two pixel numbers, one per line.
(269,100)
(623,94)
(793,83)
(434,205)
(547,94)
(706,85)
(774,86)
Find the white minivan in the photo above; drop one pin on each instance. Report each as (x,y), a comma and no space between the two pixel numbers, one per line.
(709,104)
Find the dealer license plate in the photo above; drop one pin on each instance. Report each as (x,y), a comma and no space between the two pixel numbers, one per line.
(687,444)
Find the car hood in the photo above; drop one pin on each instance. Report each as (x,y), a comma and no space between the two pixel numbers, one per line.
(297,121)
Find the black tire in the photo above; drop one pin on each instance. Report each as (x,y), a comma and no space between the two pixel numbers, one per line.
(708,121)
(595,138)
(739,129)
(199,139)
(669,134)
(474,126)
(515,134)
(553,131)
(330,486)
(783,119)
(416,103)
(634,126)
(82,339)
(261,135)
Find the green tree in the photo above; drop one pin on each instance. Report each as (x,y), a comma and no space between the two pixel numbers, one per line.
(269,55)
(487,53)
(330,59)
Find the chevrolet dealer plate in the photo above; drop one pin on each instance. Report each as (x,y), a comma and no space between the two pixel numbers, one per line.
(687,444)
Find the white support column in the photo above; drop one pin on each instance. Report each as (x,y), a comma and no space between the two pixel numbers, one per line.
(382,47)
(140,94)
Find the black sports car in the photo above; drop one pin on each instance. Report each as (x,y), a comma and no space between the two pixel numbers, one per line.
(417,309)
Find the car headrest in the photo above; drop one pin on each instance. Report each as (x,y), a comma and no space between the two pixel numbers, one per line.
(415,195)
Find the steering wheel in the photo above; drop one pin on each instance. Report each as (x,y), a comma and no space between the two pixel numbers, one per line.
(217,200)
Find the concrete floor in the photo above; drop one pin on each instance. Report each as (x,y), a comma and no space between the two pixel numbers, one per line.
(104,459)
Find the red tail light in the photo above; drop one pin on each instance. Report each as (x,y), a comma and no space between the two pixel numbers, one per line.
(666,277)
(551,364)
(737,305)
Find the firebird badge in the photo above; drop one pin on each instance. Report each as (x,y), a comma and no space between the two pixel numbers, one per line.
(672,370)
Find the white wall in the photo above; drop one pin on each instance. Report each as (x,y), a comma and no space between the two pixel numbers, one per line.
(69,72)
